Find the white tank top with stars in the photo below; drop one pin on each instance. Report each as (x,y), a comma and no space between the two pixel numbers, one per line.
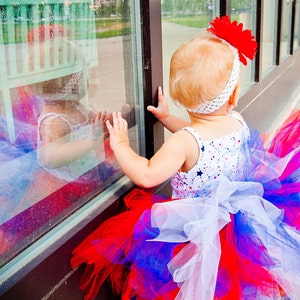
(217,157)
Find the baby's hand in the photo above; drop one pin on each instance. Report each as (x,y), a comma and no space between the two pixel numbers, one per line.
(162,110)
(118,131)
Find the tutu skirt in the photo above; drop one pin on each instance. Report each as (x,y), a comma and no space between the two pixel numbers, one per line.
(240,242)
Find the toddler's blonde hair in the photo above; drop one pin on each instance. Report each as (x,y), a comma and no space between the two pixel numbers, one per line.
(199,70)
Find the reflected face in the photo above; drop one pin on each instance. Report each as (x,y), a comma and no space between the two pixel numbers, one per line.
(64,65)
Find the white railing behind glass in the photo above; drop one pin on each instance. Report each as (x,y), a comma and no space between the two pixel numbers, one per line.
(17,19)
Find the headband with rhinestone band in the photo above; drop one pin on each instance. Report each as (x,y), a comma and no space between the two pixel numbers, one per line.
(244,42)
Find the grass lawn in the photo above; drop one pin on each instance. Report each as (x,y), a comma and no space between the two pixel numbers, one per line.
(115,26)
(200,21)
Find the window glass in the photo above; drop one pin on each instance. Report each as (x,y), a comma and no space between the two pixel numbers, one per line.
(245,12)
(269,29)
(286,17)
(61,64)
(297,26)
(181,21)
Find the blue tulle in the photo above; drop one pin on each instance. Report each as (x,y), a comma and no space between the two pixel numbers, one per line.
(16,173)
(248,243)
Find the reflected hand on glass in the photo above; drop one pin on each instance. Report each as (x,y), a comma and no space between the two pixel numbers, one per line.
(98,127)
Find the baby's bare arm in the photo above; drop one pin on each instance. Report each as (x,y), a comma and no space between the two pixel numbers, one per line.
(57,150)
(143,172)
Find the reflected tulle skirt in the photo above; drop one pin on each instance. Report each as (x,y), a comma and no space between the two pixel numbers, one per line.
(241,242)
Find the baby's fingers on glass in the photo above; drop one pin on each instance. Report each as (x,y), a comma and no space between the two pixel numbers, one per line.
(115,118)
(160,91)
(109,126)
(161,95)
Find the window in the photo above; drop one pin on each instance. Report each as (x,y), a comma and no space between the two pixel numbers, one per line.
(245,12)
(297,25)
(286,17)
(269,35)
(61,64)
(181,21)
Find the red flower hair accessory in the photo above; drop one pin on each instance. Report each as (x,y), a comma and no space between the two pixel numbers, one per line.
(233,33)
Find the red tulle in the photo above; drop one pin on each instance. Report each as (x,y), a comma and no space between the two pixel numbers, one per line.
(287,136)
(102,244)
(237,271)
(110,242)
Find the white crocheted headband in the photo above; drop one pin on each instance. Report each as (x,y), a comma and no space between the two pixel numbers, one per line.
(244,42)
(76,88)
(213,105)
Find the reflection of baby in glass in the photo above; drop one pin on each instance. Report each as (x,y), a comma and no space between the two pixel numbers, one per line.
(70,136)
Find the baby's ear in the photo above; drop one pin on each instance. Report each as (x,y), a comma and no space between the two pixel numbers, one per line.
(234,98)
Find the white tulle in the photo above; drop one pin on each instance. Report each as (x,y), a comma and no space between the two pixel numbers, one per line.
(199,221)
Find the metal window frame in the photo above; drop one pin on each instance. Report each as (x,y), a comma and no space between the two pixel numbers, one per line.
(152,59)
